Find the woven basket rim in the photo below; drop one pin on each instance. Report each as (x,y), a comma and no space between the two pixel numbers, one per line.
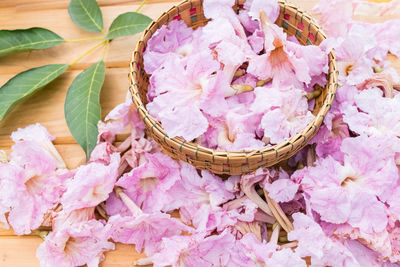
(247,154)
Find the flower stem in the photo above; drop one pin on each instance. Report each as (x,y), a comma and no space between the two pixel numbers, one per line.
(88,52)
(290,245)
(41,234)
(3,157)
(313,94)
(134,209)
(144,261)
(141,5)
(102,212)
(239,73)
(263,82)
(275,233)
(241,88)
(105,49)
(311,157)
(247,184)
(278,213)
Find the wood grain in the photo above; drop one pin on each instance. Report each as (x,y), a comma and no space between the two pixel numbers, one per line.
(47,106)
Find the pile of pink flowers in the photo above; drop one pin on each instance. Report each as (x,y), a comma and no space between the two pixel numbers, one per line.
(341,194)
(236,83)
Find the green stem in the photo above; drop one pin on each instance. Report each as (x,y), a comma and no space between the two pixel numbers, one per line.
(41,234)
(105,49)
(87,52)
(141,5)
(85,39)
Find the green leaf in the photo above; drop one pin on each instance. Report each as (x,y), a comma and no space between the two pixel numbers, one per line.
(28,39)
(26,83)
(127,24)
(82,106)
(86,14)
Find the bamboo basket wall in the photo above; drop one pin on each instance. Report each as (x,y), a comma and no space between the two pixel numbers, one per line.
(294,22)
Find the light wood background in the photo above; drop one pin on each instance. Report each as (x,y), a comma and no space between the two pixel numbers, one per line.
(47,106)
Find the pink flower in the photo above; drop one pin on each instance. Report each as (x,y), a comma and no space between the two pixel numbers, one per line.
(282,190)
(108,130)
(62,219)
(225,35)
(248,183)
(385,243)
(247,97)
(384,80)
(8,175)
(269,98)
(335,16)
(197,251)
(286,129)
(315,58)
(145,231)
(374,115)
(386,33)
(313,242)
(350,192)
(221,37)
(286,257)
(256,41)
(241,208)
(91,185)
(174,189)
(30,184)
(259,252)
(354,64)
(284,66)
(115,206)
(149,183)
(394,205)
(183,93)
(119,119)
(368,214)
(172,40)
(286,112)
(249,24)
(270,7)
(237,130)
(82,243)
(215,9)
(362,254)
(102,153)
(205,189)
(344,97)
(37,134)
(207,219)
(4,207)
(329,141)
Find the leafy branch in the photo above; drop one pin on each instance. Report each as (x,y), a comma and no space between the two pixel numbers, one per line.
(82,104)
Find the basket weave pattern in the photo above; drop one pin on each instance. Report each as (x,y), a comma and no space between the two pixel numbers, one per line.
(294,22)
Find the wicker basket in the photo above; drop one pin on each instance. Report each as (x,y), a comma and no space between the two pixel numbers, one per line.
(295,22)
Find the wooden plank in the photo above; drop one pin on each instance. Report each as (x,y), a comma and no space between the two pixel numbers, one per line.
(20,251)
(122,256)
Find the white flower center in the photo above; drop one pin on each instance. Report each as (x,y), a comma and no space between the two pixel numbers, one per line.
(147,184)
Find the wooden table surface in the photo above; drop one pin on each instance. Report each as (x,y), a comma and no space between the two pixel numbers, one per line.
(47,106)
